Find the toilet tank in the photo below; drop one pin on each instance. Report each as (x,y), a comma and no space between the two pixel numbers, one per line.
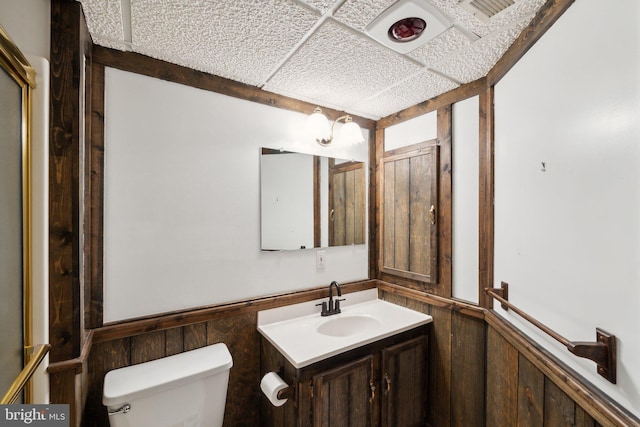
(186,389)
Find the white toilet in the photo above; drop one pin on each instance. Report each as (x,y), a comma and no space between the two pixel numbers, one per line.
(187,389)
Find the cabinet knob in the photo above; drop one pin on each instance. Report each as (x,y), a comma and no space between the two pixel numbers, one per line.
(372,387)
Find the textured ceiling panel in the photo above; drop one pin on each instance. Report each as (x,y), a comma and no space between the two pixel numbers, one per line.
(110,43)
(312,50)
(477,59)
(104,19)
(442,46)
(359,13)
(338,66)
(322,5)
(412,91)
(240,40)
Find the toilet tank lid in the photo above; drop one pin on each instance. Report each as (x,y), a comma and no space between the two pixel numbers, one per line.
(131,382)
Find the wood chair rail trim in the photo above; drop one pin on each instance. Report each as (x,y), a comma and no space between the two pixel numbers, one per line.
(602,351)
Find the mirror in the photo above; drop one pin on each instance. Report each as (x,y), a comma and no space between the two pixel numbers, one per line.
(309,201)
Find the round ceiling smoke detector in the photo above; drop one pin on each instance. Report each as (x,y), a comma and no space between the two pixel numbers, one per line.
(407,25)
(407,29)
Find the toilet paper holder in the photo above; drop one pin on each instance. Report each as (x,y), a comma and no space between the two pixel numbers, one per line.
(277,391)
(287,393)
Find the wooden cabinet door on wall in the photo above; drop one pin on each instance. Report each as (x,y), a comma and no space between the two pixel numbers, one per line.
(347,203)
(409,212)
(342,396)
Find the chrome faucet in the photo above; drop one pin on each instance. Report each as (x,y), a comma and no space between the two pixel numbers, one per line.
(331,307)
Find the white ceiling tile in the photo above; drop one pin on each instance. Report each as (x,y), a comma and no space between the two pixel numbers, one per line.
(478,58)
(110,43)
(359,13)
(104,19)
(338,66)
(241,40)
(410,92)
(300,51)
(322,5)
(444,45)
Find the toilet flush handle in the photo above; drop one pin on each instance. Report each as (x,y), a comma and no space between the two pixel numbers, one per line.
(122,410)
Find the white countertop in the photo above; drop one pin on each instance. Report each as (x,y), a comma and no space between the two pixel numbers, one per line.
(293,329)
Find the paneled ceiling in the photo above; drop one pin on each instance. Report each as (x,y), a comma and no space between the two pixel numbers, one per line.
(319,51)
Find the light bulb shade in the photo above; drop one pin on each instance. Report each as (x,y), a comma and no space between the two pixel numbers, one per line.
(350,134)
(317,125)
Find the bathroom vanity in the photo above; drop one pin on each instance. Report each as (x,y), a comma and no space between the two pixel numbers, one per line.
(366,366)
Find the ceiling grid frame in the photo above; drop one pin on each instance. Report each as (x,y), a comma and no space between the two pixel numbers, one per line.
(261,44)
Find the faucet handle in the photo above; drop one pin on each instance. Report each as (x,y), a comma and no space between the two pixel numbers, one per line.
(336,307)
(324,308)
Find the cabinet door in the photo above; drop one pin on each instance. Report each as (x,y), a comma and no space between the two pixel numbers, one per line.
(404,384)
(409,212)
(343,396)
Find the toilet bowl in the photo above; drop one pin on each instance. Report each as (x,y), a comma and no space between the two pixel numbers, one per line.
(186,389)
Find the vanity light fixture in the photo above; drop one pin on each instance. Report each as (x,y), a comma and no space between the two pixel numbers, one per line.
(318,126)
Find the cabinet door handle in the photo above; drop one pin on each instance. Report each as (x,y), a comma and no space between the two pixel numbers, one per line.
(387,381)
(372,387)
(432,214)
(331,215)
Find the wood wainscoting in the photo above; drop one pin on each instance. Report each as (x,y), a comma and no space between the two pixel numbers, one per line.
(130,343)
(485,372)
(482,371)
(455,393)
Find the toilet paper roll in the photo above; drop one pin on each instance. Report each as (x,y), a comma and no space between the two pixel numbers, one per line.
(271,384)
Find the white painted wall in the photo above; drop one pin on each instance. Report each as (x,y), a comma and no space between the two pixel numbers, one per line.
(28,23)
(465,198)
(419,129)
(182,201)
(567,235)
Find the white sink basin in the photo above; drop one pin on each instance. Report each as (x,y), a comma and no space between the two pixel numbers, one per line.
(347,325)
(304,337)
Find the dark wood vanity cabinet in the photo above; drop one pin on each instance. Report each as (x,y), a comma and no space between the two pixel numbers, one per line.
(380,384)
(344,395)
(404,384)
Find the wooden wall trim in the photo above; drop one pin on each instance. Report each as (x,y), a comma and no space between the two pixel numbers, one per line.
(70,41)
(542,21)
(93,199)
(428,298)
(375,152)
(486,181)
(463,92)
(144,325)
(151,67)
(602,408)
(77,364)
(445,204)
(379,197)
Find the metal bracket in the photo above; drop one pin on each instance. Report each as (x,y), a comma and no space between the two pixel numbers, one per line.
(603,352)
(502,292)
